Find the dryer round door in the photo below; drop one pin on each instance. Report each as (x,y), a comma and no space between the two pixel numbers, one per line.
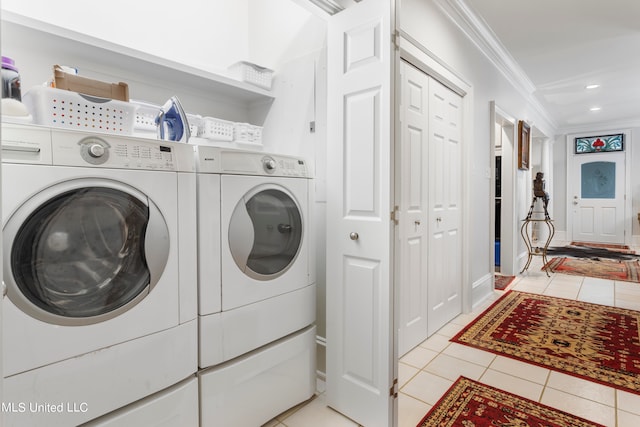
(80,253)
(266,232)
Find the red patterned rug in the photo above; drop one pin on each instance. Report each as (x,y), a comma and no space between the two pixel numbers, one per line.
(603,268)
(501,282)
(470,403)
(590,341)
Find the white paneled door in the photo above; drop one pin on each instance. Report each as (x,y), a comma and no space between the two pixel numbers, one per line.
(597,201)
(428,197)
(445,209)
(412,199)
(360,353)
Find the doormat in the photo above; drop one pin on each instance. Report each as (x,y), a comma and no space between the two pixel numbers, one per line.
(501,282)
(470,403)
(591,252)
(628,271)
(590,341)
(602,245)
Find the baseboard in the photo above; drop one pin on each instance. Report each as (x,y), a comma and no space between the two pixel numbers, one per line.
(559,238)
(481,289)
(321,357)
(522,260)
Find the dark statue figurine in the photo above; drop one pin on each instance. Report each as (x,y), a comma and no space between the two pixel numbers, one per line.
(538,192)
(538,189)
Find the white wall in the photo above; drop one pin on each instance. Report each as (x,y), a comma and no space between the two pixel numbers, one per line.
(289,46)
(426,22)
(634,143)
(2,297)
(210,35)
(288,39)
(558,192)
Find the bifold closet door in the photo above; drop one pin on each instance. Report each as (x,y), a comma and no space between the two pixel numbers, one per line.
(412,196)
(445,206)
(428,196)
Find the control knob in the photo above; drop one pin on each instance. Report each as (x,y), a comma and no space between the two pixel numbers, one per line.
(269,164)
(96,150)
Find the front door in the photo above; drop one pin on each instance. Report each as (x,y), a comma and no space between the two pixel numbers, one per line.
(597,196)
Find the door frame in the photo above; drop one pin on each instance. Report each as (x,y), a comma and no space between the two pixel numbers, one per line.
(628,194)
(412,52)
(508,227)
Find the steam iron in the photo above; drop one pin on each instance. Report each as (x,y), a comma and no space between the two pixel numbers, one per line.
(172,122)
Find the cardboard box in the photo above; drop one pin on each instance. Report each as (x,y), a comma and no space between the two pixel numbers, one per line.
(62,80)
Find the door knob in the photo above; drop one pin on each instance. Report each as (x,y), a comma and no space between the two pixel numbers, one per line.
(417,222)
(575,202)
(353,235)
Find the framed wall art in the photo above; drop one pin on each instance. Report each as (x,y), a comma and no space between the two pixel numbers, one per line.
(524,140)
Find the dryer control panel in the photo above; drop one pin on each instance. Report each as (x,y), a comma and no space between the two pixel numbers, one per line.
(262,164)
(254,163)
(284,166)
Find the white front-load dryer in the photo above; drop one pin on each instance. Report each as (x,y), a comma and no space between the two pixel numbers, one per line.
(257,303)
(99,311)
(265,250)
(253,231)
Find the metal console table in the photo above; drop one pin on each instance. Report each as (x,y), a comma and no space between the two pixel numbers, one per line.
(527,234)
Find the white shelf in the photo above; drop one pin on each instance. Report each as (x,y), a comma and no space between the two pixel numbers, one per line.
(161,69)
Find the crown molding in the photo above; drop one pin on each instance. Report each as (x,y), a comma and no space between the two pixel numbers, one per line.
(600,126)
(487,42)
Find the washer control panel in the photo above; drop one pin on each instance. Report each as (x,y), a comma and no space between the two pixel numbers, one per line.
(35,144)
(137,154)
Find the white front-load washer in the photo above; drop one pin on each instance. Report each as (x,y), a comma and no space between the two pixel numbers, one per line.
(256,295)
(176,406)
(100,307)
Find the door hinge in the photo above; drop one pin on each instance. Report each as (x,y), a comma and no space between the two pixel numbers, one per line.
(394,217)
(395,39)
(393,391)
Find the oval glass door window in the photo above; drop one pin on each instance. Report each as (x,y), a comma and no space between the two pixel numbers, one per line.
(81,254)
(265,234)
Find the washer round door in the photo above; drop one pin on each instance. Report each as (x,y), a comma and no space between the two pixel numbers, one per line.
(266,232)
(85,254)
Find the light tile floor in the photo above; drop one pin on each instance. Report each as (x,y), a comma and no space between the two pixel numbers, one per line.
(426,372)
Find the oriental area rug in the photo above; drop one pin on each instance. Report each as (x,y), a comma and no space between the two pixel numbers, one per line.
(469,403)
(591,341)
(501,282)
(602,268)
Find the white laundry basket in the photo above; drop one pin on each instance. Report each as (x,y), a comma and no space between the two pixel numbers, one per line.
(252,73)
(70,110)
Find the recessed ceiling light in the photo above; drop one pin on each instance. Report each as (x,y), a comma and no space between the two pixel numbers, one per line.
(595,109)
(593,86)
